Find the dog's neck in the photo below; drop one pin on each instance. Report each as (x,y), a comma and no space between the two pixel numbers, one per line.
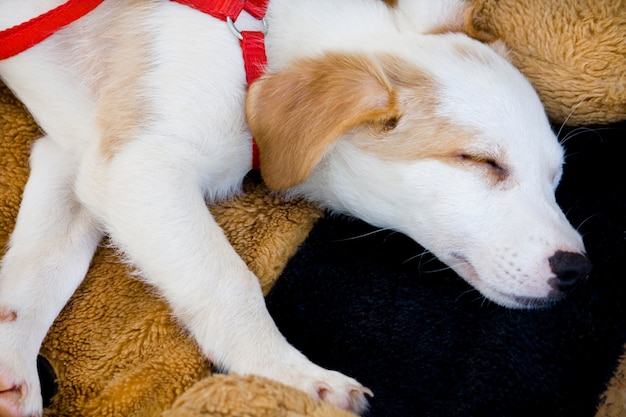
(252,42)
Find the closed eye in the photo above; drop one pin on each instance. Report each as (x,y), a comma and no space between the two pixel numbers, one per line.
(494,167)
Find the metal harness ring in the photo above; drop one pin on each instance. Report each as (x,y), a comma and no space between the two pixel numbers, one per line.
(237,32)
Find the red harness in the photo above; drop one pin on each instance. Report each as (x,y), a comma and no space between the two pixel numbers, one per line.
(19,38)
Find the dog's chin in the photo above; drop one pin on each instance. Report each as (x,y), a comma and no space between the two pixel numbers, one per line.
(466,271)
(520,302)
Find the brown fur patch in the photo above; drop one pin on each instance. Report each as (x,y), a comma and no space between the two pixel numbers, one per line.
(457,23)
(389,105)
(427,135)
(122,109)
(391,3)
(419,132)
(386,106)
(477,27)
(468,23)
(296,114)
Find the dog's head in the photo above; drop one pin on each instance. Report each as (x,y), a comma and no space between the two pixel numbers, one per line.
(448,144)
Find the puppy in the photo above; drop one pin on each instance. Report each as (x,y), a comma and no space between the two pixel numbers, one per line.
(382,110)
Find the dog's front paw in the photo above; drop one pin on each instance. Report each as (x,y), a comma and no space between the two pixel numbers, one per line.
(342,391)
(329,386)
(20,393)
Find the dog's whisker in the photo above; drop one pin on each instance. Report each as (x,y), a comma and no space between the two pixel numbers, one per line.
(466,292)
(420,265)
(567,212)
(368,234)
(581,130)
(567,119)
(420,256)
(483,301)
(573,133)
(442,269)
(393,232)
(568,135)
(569,115)
(580,225)
(432,259)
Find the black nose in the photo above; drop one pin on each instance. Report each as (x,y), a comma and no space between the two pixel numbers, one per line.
(569,268)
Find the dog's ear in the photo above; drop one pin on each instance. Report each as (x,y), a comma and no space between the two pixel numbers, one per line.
(476,25)
(297,113)
(479,25)
(474,20)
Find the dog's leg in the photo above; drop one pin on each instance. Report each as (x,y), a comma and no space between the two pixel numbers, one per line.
(48,256)
(155,211)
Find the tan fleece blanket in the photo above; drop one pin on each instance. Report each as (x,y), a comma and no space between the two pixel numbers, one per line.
(115,348)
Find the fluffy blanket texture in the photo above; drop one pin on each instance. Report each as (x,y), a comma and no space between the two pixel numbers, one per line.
(573,51)
(367,302)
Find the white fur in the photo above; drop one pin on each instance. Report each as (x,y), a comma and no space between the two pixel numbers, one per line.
(191,144)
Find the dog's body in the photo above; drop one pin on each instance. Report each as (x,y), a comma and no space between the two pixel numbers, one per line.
(142,103)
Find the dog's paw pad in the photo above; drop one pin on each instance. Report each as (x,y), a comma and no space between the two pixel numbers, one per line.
(15,399)
(350,396)
(10,397)
(7,315)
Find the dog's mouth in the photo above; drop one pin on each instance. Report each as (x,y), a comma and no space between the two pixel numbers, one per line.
(464,268)
(531,302)
(467,271)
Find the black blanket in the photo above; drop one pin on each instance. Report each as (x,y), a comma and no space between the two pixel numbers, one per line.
(363,301)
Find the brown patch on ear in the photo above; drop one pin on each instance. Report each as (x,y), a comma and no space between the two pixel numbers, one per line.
(297,113)
(421,132)
(476,24)
(470,22)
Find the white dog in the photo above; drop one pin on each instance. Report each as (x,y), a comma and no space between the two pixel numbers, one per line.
(374,108)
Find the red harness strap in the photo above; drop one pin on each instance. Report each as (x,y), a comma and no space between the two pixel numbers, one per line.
(21,37)
(252,42)
(223,9)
